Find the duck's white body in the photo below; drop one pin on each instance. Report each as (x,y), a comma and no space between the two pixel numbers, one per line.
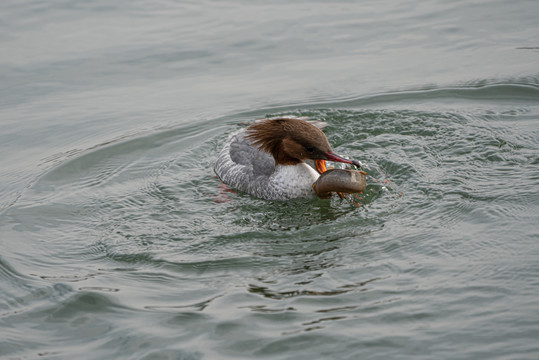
(242,166)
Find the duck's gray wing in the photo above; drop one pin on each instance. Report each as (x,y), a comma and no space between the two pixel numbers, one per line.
(243,153)
(242,166)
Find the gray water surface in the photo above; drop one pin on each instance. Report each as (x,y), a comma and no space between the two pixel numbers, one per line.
(118,241)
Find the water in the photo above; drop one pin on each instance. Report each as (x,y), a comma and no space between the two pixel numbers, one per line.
(118,242)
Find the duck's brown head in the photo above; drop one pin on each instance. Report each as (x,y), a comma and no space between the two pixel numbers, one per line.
(290,141)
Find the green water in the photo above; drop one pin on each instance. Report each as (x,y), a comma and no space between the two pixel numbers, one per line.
(119,242)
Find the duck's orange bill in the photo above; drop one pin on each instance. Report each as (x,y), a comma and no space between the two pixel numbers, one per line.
(320,166)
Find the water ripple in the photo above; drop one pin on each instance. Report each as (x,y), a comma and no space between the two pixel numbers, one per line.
(129,236)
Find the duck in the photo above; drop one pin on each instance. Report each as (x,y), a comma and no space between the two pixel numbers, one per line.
(268,158)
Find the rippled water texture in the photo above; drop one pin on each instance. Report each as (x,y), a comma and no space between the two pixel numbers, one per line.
(118,240)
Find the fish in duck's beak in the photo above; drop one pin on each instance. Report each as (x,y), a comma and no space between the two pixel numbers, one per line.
(331,156)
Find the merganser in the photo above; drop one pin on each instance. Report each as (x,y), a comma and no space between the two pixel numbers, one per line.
(266,159)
